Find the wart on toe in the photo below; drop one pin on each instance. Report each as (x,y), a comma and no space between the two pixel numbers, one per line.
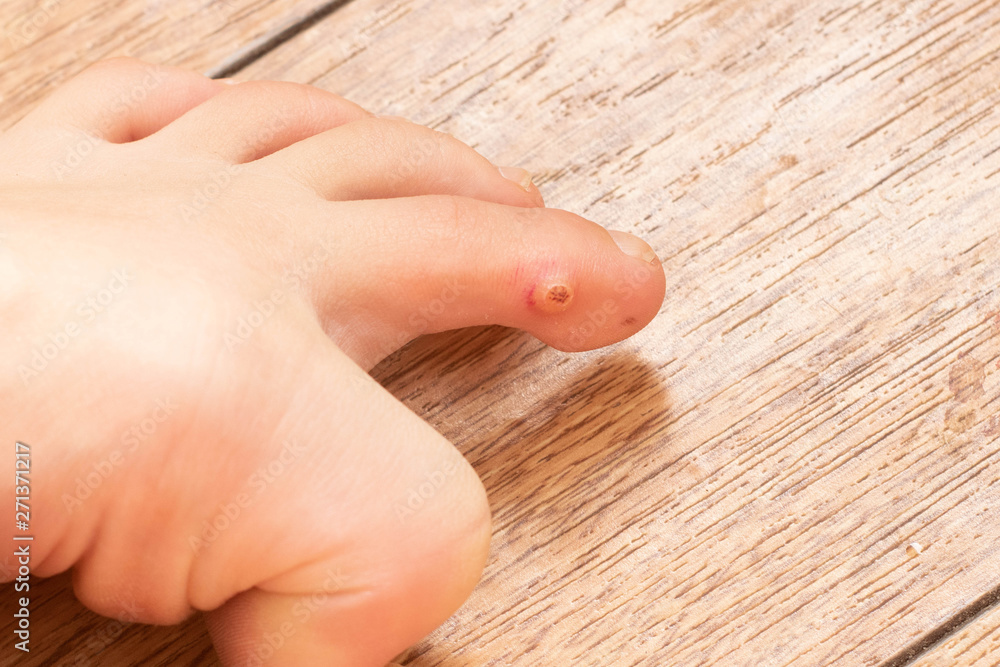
(551,297)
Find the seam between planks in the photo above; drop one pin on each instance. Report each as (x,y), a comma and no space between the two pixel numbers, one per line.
(953,625)
(260,47)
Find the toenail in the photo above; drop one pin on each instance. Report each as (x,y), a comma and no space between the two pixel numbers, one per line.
(552,297)
(520,176)
(633,246)
(229,82)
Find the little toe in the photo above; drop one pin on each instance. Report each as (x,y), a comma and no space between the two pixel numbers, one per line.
(448,262)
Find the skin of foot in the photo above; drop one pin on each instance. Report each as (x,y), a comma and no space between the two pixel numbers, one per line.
(195,277)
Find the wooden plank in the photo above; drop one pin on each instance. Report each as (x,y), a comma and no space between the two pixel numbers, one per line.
(739,483)
(599,511)
(976,644)
(44,43)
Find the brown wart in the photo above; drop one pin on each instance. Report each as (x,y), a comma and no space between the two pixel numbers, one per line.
(552,297)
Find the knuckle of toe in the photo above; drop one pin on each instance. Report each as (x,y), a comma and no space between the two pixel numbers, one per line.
(271,93)
(449,219)
(253,91)
(451,142)
(414,141)
(379,133)
(294,102)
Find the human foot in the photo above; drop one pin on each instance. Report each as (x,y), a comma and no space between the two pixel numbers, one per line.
(193,278)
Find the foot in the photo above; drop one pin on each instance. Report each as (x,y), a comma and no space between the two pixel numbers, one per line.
(194,278)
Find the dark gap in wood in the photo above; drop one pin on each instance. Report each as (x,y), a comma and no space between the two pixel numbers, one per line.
(978,607)
(264,45)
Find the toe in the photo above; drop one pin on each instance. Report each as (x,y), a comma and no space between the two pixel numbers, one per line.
(256,118)
(122,99)
(378,531)
(447,262)
(379,158)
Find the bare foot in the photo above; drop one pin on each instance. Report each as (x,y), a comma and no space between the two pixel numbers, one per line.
(194,277)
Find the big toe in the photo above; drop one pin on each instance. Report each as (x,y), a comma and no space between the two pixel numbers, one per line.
(379,529)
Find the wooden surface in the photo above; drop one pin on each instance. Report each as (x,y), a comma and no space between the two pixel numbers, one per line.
(976,644)
(738,484)
(45,43)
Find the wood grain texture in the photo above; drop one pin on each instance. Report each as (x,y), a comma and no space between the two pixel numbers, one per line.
(44,43)
(977,644)
(738,484)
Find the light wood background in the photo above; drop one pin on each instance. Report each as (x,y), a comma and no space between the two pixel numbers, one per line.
(738,484)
